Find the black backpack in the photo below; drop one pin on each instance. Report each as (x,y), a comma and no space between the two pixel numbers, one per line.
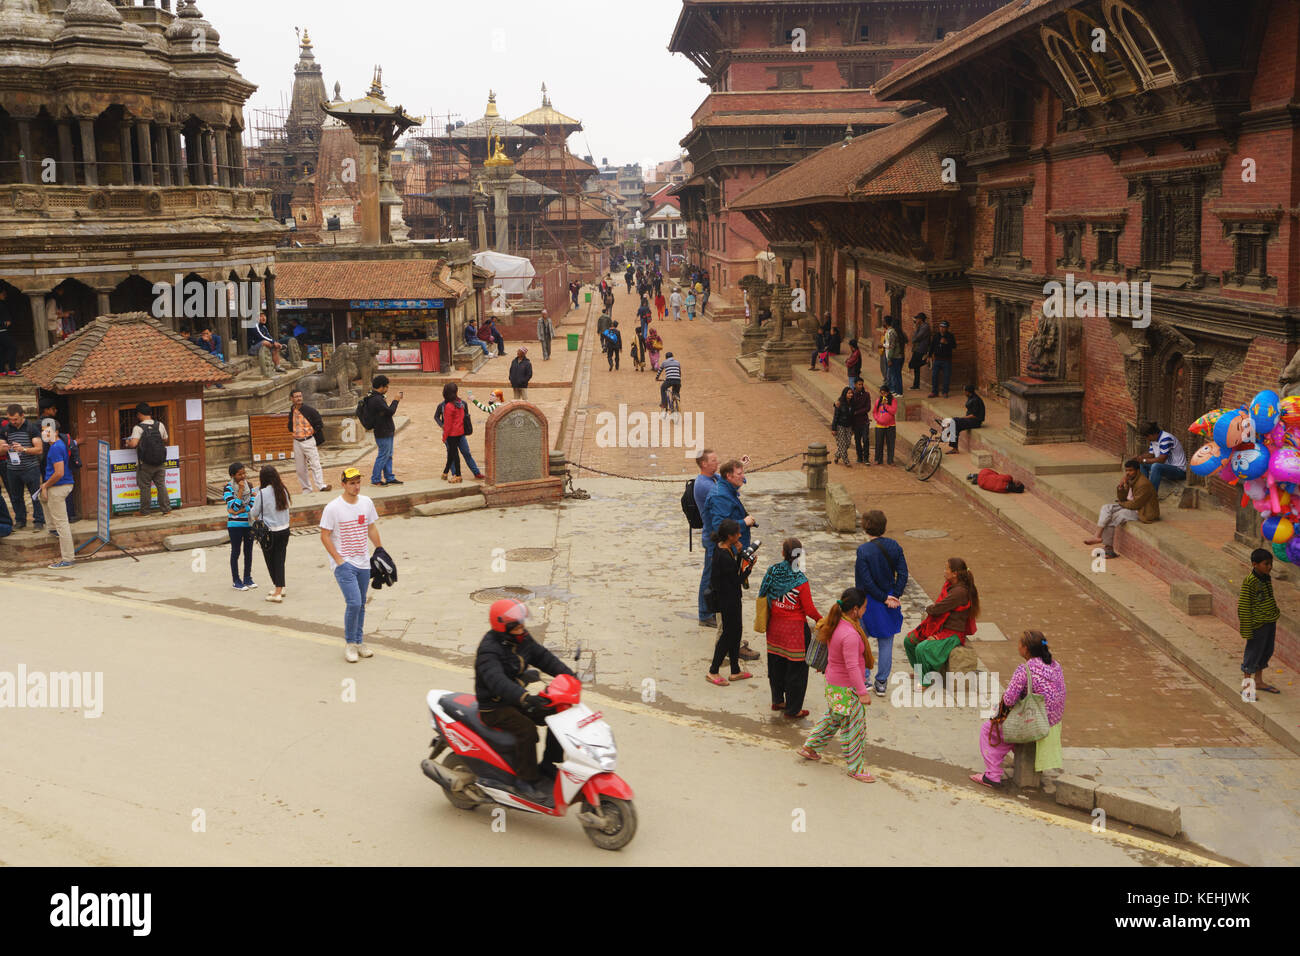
(152,450)
(363,414)
(693,517)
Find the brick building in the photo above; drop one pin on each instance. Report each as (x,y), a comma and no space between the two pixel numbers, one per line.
(785,79)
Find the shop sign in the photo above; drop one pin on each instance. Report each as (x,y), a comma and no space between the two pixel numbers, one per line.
(401,304)
(291,305)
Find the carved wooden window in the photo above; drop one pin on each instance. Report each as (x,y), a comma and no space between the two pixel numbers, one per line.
(1008,227)
(789,137)
(1140,44)
(862,75)
(1071,245)
(1070,63)
(790,78)
(864,33)
(1107,248)
(1172,227)
(1249,254)
(1106,63)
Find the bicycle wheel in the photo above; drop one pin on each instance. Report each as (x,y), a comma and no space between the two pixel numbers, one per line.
(918,452)
(933,459)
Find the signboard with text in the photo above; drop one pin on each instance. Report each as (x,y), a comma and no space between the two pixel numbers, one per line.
(270,437)
(400,304)
(125,494)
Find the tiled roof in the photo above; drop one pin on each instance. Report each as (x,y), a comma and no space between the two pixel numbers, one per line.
(968,42)
(535,158)
(367,279)
(124,351)
(587,211)
(901,159)
(802,118)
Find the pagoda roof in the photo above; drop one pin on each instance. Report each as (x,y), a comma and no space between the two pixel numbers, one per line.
(129,350)
(547,116)
(368,279)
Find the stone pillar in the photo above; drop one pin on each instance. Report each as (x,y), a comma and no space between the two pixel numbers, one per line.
(480,210)
(501,209)
(128,165)
(25,144)
(164,156)
(182,172)
(223,158)
(236,159)
(272,314)
(40,333)
(1144,384)
(67,172)
(145,142)
(89,164)
(1199,366)
(368,180)
(102,304)
(209,158)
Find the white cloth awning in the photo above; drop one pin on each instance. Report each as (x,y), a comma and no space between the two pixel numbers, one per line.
(513,273)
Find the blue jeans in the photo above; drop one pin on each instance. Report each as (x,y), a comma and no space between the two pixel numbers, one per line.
(456,447)
(896,376)
(884,661)
(383,470)
(940,376)
(353,582)
(705,613)
(483,345)
(1159,471)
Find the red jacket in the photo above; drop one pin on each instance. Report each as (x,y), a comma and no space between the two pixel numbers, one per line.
(785,622)
(451,415)
(990,480)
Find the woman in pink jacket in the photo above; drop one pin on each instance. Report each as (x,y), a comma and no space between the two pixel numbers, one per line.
(846,688)
(884,414)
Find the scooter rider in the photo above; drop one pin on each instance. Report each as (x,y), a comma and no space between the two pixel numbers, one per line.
(501,675)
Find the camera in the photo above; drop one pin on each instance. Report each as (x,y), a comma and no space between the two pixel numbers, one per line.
(747,558)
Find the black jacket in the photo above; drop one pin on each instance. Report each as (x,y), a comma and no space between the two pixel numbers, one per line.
(843,416)
(975,408)
(314,419)
(501,661)
(381,413)
(521,372)
(726,579)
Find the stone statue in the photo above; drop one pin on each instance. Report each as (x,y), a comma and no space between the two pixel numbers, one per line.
(264,363)
(1044,352)
(295,353)
(1289,381)
(347,364)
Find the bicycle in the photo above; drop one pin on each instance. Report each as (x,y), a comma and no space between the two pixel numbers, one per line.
(927,453)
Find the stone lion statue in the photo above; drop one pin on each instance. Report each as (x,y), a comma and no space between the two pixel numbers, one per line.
(1289,381)
(349,362)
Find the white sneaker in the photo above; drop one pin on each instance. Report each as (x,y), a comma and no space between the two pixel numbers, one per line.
(365,651)
(350,653)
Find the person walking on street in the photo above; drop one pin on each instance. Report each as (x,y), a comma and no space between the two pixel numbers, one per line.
(862,422)
(848,661)
(149,439)
(705,482)
(724,502)
(654,345)
(239,503)
(660,302)
(453,415)
(941,349)
(885,415)
(974,417)
(842,425)
(675,304)
(308,430)
(348,526)
(921,341)
(271,505)
(1257,617)
(379,414)
(643,316)
(880,573)
(521,373)
(690,305)
(613,345)
(726,579)
(790,601)
(55,491)
(24,468)
(546,330)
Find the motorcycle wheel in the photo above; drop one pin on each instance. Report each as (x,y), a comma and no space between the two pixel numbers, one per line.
(458,800)
(622,827)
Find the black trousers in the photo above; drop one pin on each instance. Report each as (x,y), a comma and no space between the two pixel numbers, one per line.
(965,424)
(728,639)
(275,553)
(916,375)
(788,679)
(241,538)
(524,729)
(862,441)
(885,438)
(8,353)
(613,357)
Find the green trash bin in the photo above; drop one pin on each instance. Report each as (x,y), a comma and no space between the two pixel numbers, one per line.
(573,341)
(588,298)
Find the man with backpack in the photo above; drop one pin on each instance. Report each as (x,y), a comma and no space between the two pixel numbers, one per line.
(376,415)
(149,439)
(613,345)
(50,417)
(23,476)
(700,487)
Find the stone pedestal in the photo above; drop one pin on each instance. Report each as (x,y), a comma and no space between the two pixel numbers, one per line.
(752,341)
(1044,412)
(815,461)
(776,359)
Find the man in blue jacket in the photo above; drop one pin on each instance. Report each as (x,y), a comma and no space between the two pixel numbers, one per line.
(881,574)
(724,502)
(704,484)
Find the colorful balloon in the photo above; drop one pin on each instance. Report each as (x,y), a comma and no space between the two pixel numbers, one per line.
(1251,462)
(1283,551)
(1288,408)
(1205,424)
(1207,459)
(1278,529)
(1292,551)
(1264,411)
(1284,464)
(1231,427)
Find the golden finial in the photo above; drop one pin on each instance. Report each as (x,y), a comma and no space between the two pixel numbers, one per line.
(377,84)
(306,38)
(492,104)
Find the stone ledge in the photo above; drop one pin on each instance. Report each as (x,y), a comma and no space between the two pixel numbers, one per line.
(1190,598)
(1077,792)
(456,505)
(1141,810)
(201,539)
(841,515)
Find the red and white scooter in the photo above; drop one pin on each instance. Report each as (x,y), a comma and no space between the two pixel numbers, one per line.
(473,772)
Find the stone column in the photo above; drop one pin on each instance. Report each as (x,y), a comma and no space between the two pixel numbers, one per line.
(25,144)
(127,164)
(39,332)
(272,314)
(67,172)
(89,164)
(102,305)
(223,159)
(1143,403)
(144,141)
(164,155)
(1199,365)
(182,172)
(501,209)
(368,180)
(209,158)
(236,159)
(480,210)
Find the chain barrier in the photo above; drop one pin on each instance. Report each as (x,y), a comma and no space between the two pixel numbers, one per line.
(578,493)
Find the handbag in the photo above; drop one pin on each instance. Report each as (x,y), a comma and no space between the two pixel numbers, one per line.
(1027,720)
(261,533)
(819,654)
(760,615)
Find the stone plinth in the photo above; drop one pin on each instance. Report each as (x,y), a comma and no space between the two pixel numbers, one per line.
(776,359)
(518,444)
(1044,412)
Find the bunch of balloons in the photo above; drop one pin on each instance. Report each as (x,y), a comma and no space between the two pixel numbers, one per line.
(1258,445)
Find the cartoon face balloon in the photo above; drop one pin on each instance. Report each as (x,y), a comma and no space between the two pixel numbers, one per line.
(1207,459)
(1284,464)
(1249,462)
(1264,411)
(1231,429)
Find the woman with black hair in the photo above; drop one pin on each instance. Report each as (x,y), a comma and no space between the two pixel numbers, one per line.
(272,506)
(842,425)
(726,583)
(947,624)
(453,415)
(1049,681)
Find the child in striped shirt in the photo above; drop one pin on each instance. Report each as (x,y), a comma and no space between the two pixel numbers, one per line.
(239,502)
(1257,614)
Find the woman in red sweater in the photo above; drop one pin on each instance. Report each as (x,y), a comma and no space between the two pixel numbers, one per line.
(789,602)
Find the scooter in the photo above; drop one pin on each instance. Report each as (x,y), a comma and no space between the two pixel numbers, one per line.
(474,771)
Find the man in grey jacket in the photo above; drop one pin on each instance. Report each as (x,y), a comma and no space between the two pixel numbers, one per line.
(546,332)
(920,348)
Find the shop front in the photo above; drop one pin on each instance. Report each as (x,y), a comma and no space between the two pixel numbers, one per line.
(413,334)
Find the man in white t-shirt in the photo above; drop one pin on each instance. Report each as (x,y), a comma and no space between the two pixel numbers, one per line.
(1165,457)
(348,526)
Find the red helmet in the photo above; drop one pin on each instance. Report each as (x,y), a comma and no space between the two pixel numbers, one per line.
(505,613)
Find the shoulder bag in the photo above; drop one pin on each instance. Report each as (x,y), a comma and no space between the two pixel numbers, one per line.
(760,615)
(1027,720)
(262,533)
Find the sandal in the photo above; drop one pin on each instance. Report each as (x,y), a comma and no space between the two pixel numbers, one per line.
(808,754)
(716,680)
(1268,689)
(778,706)
(743,675)
(863,777)
(799,716)
(983,780)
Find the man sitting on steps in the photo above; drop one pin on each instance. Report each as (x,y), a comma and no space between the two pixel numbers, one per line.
(1135,500)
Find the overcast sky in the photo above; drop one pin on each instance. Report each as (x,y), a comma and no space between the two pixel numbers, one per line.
(606,64)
